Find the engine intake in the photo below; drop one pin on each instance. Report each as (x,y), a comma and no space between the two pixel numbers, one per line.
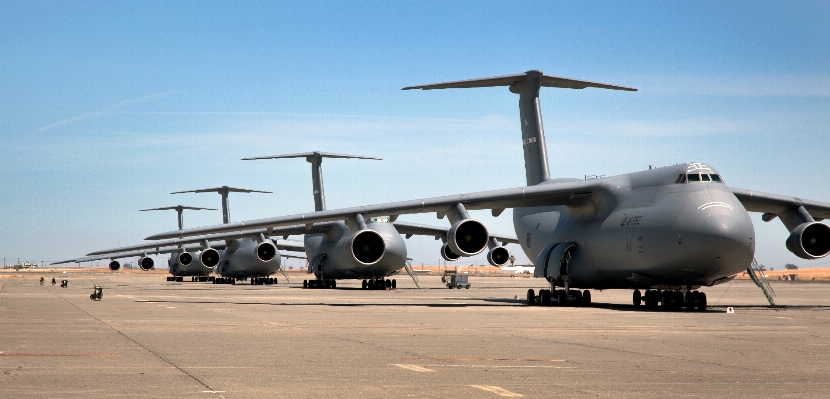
(146,263)
(498,256)
(368,247)
(114,265)
(810,240)
(185,258)
(448,254)
(210,257)
(467,237)
(266,251)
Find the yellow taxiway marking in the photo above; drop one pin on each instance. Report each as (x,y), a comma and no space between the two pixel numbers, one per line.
(415,368)
(498,391)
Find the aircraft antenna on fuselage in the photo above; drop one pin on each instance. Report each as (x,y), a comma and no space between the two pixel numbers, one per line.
(315,158)
(527,86)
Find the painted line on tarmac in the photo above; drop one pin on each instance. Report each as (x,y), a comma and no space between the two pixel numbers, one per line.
(482,359)
(413,367)
(61,354)
(498,391)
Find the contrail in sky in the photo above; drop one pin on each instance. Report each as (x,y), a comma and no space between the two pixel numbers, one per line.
(73,119)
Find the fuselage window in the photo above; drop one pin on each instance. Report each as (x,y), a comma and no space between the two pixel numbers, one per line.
(716,178)
(694,177)
(705,177)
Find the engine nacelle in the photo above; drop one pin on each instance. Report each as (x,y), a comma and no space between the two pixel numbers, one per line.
(810,240)
(367,247)
(498,256)
(210,257)
(185,258)
(448,254)
(114,265)
(146,263)
(266,251)
(467,237)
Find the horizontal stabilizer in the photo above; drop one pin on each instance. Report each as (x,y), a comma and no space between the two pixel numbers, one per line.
(508,80)
(221,189)
(177,207)
(312,154)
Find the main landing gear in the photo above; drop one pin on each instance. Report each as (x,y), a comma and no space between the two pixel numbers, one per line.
(264,280)
(192,278)
(320,283)
(224,280)
(671,299)
(559,298)
(379,284)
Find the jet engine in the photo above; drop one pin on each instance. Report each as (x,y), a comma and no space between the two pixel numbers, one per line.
(210,257)
(266,251)
(146,263)
(810,240)
(367,247)
(498,256)
(467,237)
(448,254)
(185,258)
(114,265)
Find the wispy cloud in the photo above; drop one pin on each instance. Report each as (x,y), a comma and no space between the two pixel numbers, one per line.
(106,110)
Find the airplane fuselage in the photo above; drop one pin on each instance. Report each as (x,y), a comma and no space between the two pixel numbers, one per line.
(239,260)
(195,268)
(646,230)
(336,242)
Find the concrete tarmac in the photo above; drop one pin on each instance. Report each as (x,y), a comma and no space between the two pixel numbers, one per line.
(157,339)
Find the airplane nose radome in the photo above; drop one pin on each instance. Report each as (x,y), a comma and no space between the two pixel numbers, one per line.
(730,239)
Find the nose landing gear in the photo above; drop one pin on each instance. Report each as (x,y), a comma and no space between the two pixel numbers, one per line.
(379,284)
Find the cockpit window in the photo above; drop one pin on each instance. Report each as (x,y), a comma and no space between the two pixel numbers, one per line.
(681,179)
(704,176)
(716,178)
(694,177)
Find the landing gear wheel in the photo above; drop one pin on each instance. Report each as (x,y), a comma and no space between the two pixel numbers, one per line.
(333,283)
(577,297)
(531,297)
(305,283)
(544,297)
(638,297)
(394,283)
(665,300)
(363,285)
(701,306)
(388,283)
(561,298)
(586,298)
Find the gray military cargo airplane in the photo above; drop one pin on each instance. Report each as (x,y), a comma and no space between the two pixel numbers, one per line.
(236,257)
(667,230)
(371,249)
(189,266)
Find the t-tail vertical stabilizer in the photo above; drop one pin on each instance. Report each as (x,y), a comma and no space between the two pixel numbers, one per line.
(527,86)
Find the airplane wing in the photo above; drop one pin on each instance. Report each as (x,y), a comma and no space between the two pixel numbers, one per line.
(130,254)
(569,192)
(410,229)
(756,201)
(281,244)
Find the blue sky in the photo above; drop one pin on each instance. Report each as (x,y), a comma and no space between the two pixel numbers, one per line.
(107,107)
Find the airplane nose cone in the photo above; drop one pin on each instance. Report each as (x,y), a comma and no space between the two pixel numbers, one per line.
(730,240)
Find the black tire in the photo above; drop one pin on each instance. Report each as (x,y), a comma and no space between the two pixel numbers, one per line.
(665,300)
(394,283)
(305,283)
(702,305)
(388,283)
(333,283)
(561,298)
(531,297)
(586,298)
(637,298)
(577,296)
(363,285)
(544,297)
